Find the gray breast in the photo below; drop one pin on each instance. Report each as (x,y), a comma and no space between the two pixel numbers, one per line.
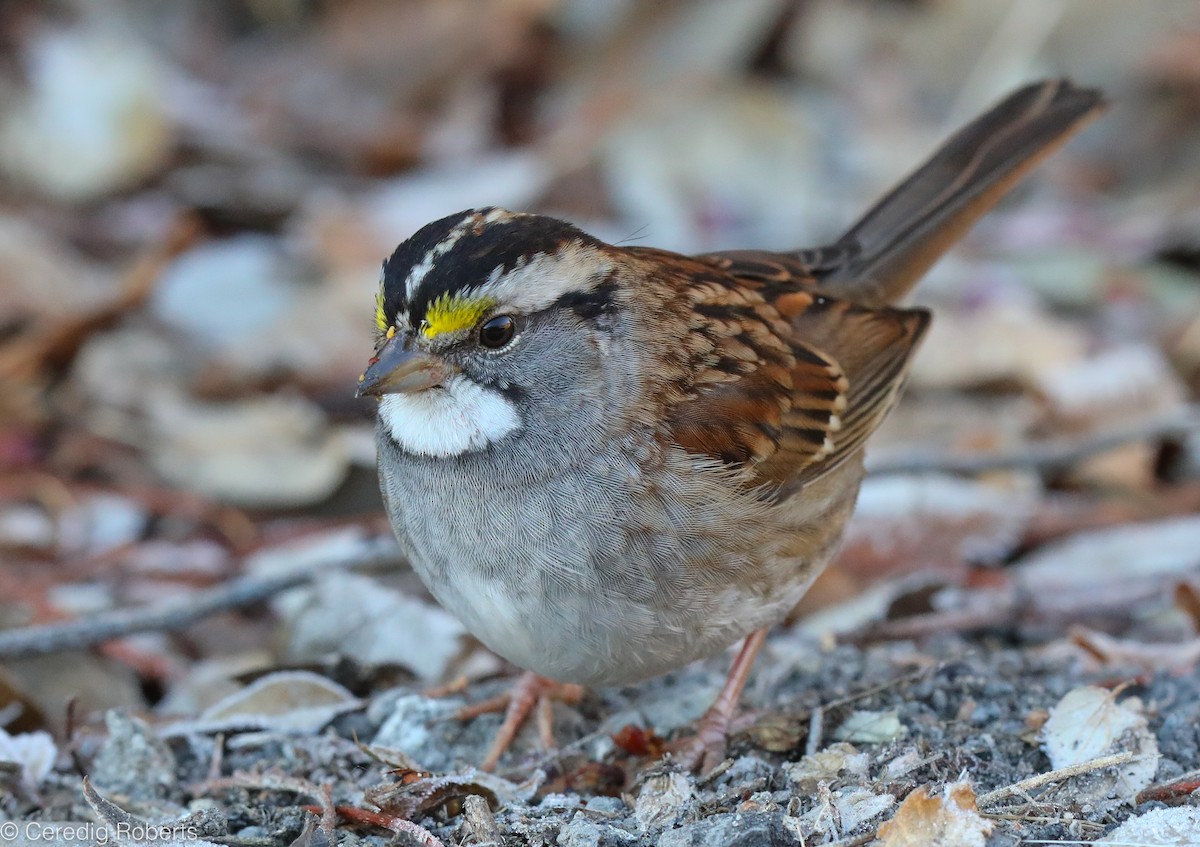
(586,575)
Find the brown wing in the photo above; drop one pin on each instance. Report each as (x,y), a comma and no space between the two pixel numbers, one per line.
(799,359)
(874,348)
(793,381)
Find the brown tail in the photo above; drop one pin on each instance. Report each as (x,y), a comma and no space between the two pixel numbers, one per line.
(897,241)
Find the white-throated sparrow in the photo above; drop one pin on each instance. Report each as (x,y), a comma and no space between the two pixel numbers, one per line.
(610,461)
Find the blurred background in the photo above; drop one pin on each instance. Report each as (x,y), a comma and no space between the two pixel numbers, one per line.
(195,198)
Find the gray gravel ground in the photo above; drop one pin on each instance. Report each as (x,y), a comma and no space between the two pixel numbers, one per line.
(952,708)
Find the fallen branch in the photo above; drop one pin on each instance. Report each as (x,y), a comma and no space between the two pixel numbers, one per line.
(1059,775)
(117,623)
(1042,455)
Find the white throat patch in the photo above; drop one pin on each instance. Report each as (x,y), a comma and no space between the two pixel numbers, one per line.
(448,421)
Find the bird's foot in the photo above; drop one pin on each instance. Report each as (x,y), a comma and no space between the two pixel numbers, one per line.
(702,752)
(528,694)
(706,749)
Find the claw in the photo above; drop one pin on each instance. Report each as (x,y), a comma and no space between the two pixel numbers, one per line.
(530,691)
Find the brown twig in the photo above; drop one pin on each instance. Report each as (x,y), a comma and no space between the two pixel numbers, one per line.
(117,623)
(882,686)
(391,823)
(970,619)
(1058,775)
(54,346)
(329,813)
(1176,789)
(1041,455)
(1060,515)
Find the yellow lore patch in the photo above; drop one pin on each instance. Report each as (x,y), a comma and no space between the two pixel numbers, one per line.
(452,312)
(380,318)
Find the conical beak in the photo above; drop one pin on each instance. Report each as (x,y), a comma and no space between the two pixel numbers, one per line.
(399,369)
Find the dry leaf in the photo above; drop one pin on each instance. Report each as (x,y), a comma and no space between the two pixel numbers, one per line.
(127,830)
(1006,342)
(949,820)
(286,701)
(273,450)
(913,522)
(43,278)
(837,760)
(1118,385)
(856,805)
(94,116)
(1108,567)
(414,793)
(1187,598)
(661,800)
(1088,723)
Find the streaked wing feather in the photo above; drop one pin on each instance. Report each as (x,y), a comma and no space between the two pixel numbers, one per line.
(796,380)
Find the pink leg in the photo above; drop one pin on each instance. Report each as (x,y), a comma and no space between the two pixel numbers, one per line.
(528,692)
(706,748)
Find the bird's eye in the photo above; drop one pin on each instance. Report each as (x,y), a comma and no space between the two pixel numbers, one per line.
(497,331)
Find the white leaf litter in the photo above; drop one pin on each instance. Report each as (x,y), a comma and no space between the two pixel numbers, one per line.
(661,800)
(195,291)
(1178,827)
(985,520)
(268,451)
(93,119)
(44,277)
(1088,723)
(286,701)
(33,752)
(323,551)
(26,525)
(1132,559)
(100,524)
(904,764)
(871,727)
(855,806)
(353,615)
(1123,383)
(1011,340)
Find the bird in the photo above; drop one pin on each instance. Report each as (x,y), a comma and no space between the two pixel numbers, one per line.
(609,461)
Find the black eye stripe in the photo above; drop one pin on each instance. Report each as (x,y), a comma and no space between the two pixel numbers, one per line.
(591,304)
